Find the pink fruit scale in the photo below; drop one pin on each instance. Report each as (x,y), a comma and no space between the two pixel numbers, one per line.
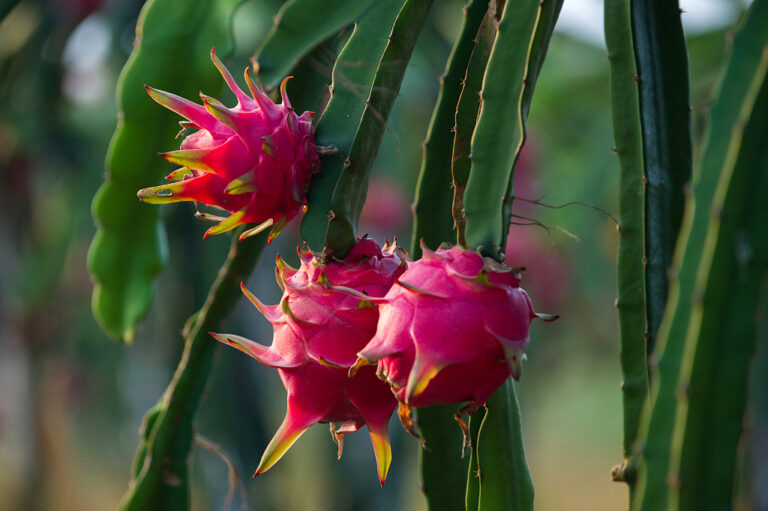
(254,161)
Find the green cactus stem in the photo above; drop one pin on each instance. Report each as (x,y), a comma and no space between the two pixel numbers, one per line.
(432,219)
(630,302)
(721,342)
(352,76)
(466,116)
(160,468)
(504,479)
(730,112)
(173,40)
(299,26)
(350,191)
(500,132)
(665,113)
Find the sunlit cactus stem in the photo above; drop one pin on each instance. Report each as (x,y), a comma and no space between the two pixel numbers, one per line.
(160,478)
(691,438)
(630,301)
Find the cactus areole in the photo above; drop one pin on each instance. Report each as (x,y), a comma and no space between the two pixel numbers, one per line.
(451,330)
(254,161)
(318,330)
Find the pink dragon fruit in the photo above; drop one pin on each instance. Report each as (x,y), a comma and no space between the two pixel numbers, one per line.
(254,161)
(452,330)
(318,330)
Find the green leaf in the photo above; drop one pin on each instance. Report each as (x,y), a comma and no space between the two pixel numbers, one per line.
(627,134)
(353,76)
(499,135)
(712,296)
(433,218)
(173,41)
(299,26)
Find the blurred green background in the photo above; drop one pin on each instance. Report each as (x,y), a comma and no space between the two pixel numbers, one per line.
(71,399)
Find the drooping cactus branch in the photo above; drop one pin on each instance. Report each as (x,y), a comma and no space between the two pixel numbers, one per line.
(353,75)
(710,418)
(160,469)
(630,302)
(684,347)
(504,481)
(661,58)
(465,118)
(299,26)
(500,132)
(661,84)
(350,192)
(432,219)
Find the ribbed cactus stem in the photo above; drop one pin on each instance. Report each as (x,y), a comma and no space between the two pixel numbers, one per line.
(730,113)
(160,468)
(351,190)
(299,26)
(665,113)
(465,118)
(354,71)
(433,221)
(500,132)
(731,280)
(631,260)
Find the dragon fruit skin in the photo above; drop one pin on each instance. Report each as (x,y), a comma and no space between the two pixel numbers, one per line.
(318,331)
(452,329)
(254,161)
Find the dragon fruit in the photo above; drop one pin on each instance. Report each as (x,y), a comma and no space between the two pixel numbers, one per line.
(452,330)
(318,329)
(254,161)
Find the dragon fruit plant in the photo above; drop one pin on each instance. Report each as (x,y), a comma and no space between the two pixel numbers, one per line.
(255,160)
(318,330)
(448,328)
(452,326)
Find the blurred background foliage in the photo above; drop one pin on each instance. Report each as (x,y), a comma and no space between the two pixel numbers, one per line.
(71,400)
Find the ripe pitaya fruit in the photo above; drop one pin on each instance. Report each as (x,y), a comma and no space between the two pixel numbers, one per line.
(318,331)
(255,160)
(452,330)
